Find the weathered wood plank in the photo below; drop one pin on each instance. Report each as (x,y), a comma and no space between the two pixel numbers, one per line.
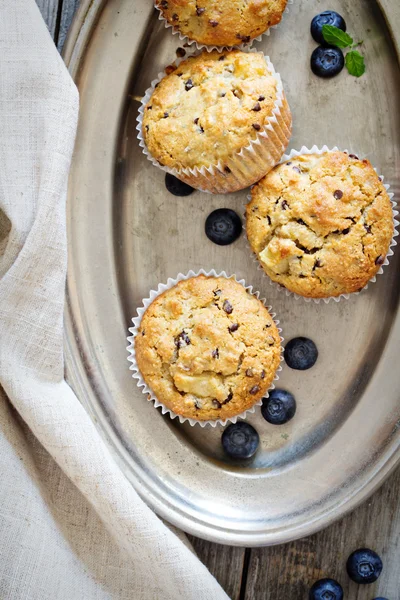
(68,10)
(49,10)
(224,562)
(289,571)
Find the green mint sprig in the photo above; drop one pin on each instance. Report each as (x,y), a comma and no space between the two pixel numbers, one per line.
(354,60)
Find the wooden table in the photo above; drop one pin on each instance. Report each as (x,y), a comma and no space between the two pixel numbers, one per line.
(286,572)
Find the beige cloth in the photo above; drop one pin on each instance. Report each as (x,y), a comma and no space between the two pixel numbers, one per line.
(59,484)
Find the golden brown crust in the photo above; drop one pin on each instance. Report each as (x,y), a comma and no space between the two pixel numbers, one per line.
(321,225)
(222,22)
(209,108)
(207,348)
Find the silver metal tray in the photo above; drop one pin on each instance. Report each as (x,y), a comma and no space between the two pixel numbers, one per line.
(126,234)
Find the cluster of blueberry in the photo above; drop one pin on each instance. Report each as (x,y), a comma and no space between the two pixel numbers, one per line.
(363,566)
(326,60)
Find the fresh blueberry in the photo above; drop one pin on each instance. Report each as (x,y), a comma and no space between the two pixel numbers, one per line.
(326,589)
(279,407)
(177,187)
(300,353)
(328,17)
(364,566)
(327,62)
(240,440)
(223,226)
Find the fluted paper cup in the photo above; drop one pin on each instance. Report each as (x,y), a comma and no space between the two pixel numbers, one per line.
(162,287)
(244,167)
(186,40)
(282,289)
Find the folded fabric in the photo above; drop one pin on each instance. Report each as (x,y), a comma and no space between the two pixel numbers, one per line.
(71,525)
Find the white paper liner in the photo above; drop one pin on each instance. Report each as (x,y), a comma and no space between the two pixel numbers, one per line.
(248,165)
(186,40)
(162,287)
(280,288)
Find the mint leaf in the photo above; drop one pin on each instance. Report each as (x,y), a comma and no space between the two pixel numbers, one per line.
(336,37)
(355,63)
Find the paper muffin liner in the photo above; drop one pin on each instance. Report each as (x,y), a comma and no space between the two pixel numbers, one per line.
(162,287)
(188,41)
(248,165)
(281,288)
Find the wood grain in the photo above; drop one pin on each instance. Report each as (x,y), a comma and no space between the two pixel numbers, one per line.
(224,562)
(49,10)
(68,10)
(287,572)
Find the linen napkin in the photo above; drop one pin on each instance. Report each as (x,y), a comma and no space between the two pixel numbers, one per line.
(71,525)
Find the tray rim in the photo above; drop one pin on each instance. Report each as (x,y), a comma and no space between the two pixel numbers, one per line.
(73,53)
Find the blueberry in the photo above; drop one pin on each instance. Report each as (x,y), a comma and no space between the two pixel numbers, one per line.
(328,17)
(327,62)
(300,353)
(177,187)
(223,226)
(240,440)
(279,407)
(364,566)
(326,589)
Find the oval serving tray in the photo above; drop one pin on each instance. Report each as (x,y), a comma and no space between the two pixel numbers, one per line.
(127,234)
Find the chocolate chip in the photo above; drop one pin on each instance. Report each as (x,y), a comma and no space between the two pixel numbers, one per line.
(143,332)
(297,169)
(175,17)
(262,374)
(165,115)
(379,260)
(268,325)
(201,129)
(244,38)
(301,222)
(213,23)
(215,353)
(149,107)
(368,228)
(188,85)
(223,95)
(216,404)
(180,52)
(233,327)
(179,74)
(256,107)
(196,120)
(227,170)
(249,373)
(269,220)
(261,98)
(254,390)
(217,292)
(257,126)
(346,231)
(227,306)
(199,11)
(147,127)
(182,339)
(222,57)
(317,264)
(228,398)
(284,205)
(338,194)
(354,156)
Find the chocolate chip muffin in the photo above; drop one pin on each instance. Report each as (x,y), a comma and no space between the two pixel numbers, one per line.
(321,224)
(207,348)
(221,22)
(203,118)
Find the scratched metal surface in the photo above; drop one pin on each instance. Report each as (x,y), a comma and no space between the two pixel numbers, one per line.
(126,234)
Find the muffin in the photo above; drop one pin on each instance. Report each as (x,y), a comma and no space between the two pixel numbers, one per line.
(221,22)
(207,348)
(321,224)
(218,121)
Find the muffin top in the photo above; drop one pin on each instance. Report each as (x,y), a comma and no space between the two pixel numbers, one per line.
(321,225)
(207,348)
(209,107)
(222,22)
